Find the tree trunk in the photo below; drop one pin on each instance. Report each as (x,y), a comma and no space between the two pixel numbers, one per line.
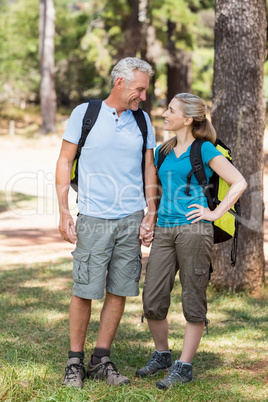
(148,49)
(46,50)
(133,31)
(238,114)
(179,67)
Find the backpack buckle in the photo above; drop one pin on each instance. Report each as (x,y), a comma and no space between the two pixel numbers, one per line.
(197,167)
(87,124)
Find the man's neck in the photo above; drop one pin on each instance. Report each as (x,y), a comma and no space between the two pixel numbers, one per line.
(112,102)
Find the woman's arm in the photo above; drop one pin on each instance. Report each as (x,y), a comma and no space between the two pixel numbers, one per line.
(237,183)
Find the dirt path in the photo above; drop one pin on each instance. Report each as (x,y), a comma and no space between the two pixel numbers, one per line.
(28,230)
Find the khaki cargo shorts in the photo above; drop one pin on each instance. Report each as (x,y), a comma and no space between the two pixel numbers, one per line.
(107,253)
(186,248)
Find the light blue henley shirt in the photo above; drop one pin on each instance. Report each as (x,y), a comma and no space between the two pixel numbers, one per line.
(109,170)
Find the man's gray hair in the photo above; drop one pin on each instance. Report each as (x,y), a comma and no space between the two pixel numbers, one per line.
(125,68)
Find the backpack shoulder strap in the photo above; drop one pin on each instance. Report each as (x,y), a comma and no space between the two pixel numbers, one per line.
(161,157)
(141,122)
(198,170)
(89,120)
(140,119)
(197,162)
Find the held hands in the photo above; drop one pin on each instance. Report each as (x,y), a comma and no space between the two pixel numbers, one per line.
(67,228)
(201,213)
(147,231)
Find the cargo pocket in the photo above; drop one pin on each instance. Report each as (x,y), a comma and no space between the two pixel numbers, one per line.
(81,267)
(201,277)
(133,269)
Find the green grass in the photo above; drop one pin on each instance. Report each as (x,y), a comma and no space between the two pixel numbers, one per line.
(231,363)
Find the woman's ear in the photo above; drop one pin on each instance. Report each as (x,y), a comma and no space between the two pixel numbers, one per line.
(188,121)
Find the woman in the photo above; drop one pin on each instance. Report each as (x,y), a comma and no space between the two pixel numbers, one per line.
(184,236)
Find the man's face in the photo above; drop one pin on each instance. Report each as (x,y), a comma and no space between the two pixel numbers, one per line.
(133,92)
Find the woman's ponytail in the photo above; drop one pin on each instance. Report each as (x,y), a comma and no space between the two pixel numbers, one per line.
(193,106)
(204,130)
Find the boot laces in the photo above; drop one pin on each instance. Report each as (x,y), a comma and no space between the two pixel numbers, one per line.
(110,367)
(72,371)
(175,372)
(155,358)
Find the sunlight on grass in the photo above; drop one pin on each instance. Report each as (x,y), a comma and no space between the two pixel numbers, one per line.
(231,363)
(57,284)
(45,317)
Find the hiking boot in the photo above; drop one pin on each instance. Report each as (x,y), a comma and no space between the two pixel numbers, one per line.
(74,373)
(106,371)
(158,362)
(180,373)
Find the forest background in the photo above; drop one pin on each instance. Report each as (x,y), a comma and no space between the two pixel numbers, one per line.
(91,36)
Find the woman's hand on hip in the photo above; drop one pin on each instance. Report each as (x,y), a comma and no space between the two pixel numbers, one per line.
(200,213)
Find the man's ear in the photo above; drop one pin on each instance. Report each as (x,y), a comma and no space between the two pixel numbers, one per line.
(119,82)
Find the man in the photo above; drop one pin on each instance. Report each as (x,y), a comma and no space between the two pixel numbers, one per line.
(111,218)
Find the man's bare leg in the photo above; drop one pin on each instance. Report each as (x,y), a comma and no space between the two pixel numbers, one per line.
(80,311)
(111,314)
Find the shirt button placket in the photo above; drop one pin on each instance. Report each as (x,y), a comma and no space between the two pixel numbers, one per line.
(114,113)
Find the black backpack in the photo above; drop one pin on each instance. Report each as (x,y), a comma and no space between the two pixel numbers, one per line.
(226,227)
(89,120)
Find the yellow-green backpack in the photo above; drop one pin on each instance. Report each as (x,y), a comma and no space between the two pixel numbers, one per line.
(215,190)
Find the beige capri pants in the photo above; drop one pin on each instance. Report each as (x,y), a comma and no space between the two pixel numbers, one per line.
(186,249)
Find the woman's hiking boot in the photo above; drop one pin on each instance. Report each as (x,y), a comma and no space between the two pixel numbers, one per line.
(160,361)
(180,373)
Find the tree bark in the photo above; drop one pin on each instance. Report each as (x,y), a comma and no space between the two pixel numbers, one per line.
(148,49)
(133,31)
(238,114)
(46,51)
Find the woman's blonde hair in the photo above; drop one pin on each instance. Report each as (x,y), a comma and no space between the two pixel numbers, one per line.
(195,107)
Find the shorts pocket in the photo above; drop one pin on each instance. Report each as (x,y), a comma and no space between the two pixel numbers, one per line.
(133,269)
(201,277)
(81,267)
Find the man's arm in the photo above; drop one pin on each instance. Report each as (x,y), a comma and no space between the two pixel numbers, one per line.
(63,178)
(152,198)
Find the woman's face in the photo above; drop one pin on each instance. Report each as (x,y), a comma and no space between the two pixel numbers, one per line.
(174,119)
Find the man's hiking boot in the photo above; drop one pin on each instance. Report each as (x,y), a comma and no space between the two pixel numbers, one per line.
(158,362)
(106,371)
(180,373)
(74,373)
